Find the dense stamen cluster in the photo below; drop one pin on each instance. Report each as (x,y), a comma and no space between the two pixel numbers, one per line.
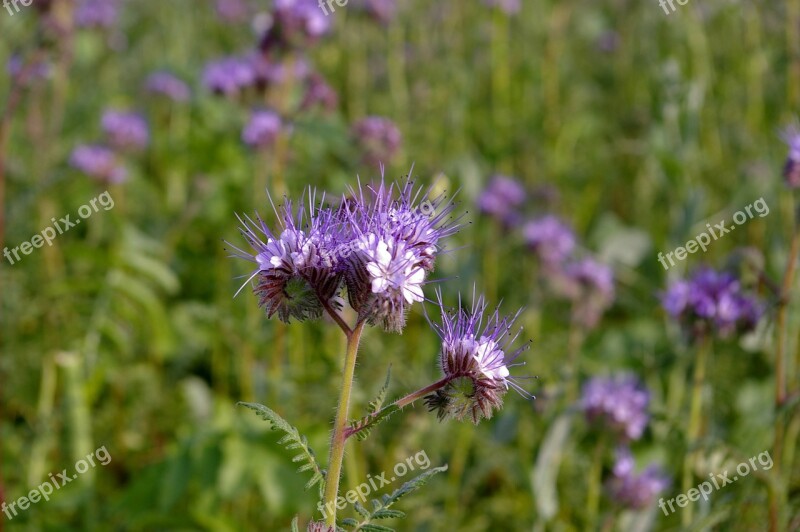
(381,246)
(475,358)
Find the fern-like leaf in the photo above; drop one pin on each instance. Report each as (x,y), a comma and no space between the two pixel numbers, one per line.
(292,440)
(380,507)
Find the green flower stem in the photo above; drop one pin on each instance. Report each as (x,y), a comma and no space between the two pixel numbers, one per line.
(695,409)
(595,482)
(338,438)
(781,362)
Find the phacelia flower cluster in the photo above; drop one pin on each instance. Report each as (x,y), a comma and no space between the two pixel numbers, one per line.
(475,358)
(169,85)
(98,14)
(125,130)
(378,139)
(617,403)
(263,129)
(791,170)
(379,245)
(712,302)
(98,162)
(502,198)
(551,239)
(634,491)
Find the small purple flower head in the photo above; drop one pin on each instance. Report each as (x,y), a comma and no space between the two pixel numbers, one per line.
(319,93)
(382,11)
(231,11)
(270,71)
(295,274)
(167,84)
(393,246)
(98,162)
(100,14)
(378,139)
(791,170)
(124,130)
(298,22)
(26,74)
(319,526)
(263,129)
(589,284)
(635,491)
(229,76)
(509,7)
(502,198)
(475,358)
(618,403)
(712,302)
(551,239)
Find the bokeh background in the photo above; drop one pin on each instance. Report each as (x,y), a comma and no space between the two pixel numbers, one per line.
(632,126)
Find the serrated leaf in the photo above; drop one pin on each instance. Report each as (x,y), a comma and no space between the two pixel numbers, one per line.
(376,528)
(376,404)
(414,484)
(349,521)
(294,440)
(388,514)
(362,427)
(360,509)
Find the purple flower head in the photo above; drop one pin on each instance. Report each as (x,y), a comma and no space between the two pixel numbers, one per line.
(589,284)
(101,14)
(712,301)
(618,403)
(124,130)
(295,274)
(378,139)
(395,235)
(382,11)
(229,76)
(501,199)
(26,74)
(550,238)
(319,93)
(167,84)
(791,170)
(297,22)
(98,162)
(635,491)
(509,7)
(475,357)
(263,129)
(231,11)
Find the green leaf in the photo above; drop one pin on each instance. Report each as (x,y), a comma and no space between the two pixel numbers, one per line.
(388,514)
(413,485)
(293,440)
(362,427)
(376,404)
(295,527)
(349,522)
(545,472)
(376,528)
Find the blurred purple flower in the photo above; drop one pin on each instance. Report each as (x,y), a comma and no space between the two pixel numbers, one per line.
(268,71)
(100,14)
(712,301)
(27,73)
(231,10)
(299,21)
(550,238)
(635,491)
(98,162)
(319,93)
(791,170)
(378,138)
(262,130)
(124,130)
(168,85)
(618,403)
(590,286)
(501,198)
(381,10)
(228,76)
(509,7)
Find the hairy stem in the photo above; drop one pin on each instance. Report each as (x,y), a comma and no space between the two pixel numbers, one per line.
(338,438)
